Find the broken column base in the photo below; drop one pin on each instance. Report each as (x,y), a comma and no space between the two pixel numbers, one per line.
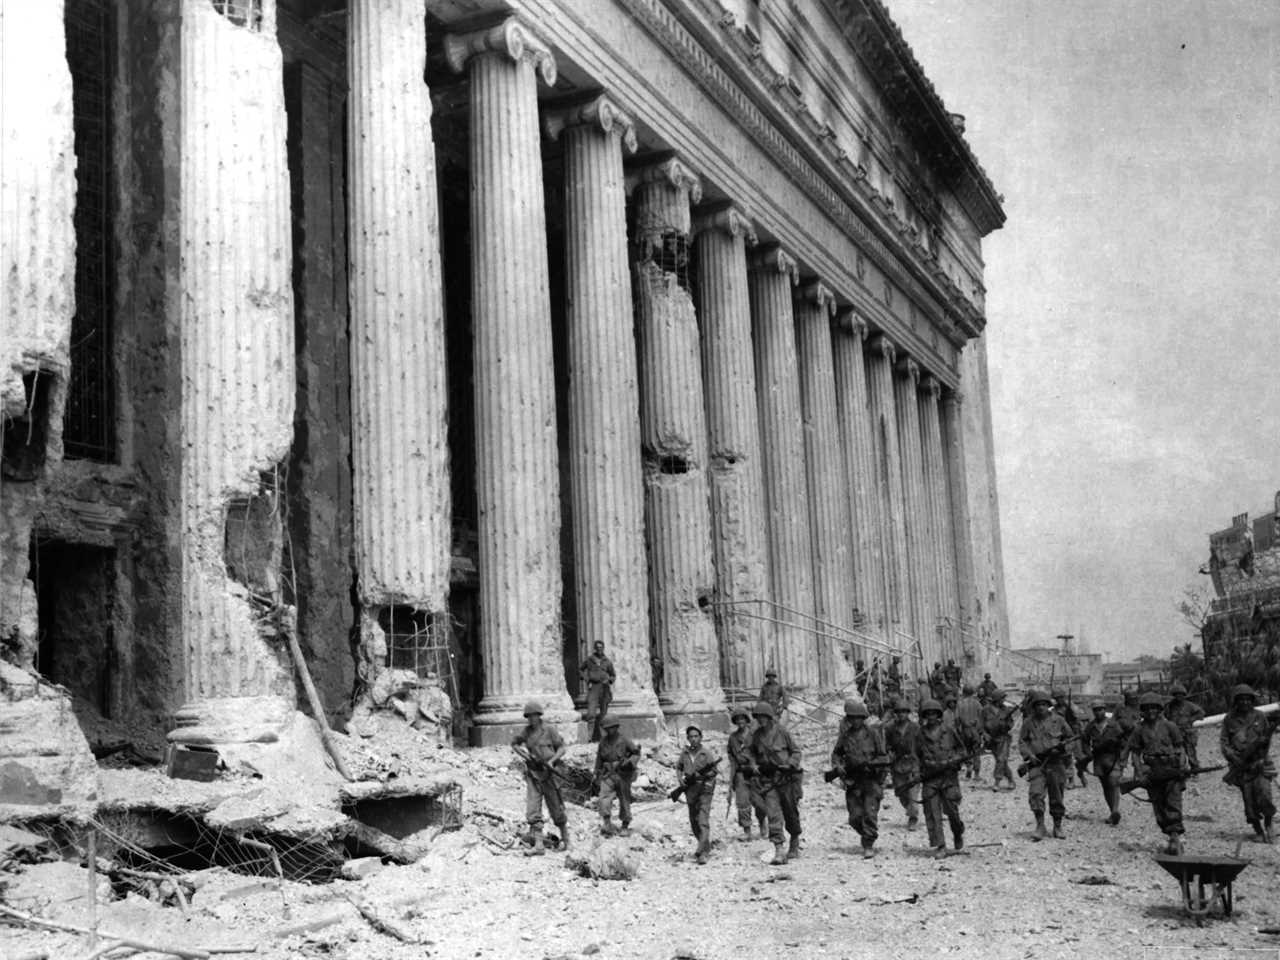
(704,720)
(498,719)
(230,720)
(500,734)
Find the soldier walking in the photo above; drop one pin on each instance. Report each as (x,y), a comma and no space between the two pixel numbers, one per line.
(1184,715)
(616,759)
(775,780)
(939,749)
(1104,742)
(997,724)
(541,747)
(969,725)
(1246,746)
(697,769)
(774,694)
(861,758)
(739,764)
(902,737)
(1159,743)
(1043,745)
(598,672)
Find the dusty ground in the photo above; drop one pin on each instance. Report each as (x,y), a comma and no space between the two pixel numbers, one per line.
(1009,897)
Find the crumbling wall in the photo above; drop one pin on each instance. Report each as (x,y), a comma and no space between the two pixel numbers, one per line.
(237,355)
(45,763)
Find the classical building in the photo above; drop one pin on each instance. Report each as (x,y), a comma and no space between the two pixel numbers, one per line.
(458,335)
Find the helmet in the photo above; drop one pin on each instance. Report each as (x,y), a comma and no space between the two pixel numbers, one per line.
(1150,700)
(968,689)
(951,694)
(997,694)
(986,676)
(855,708)
(900,705)
(763,709)
(930,706)
(1243,690)
(533,709)
(1178,690)
(1039,696)
(740,712)
(692,726)
(1098,705)
(771,673)
(1059,693)
(608,721)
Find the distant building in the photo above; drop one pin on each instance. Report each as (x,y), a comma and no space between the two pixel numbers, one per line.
(1133,675)
(1051,667)
(1244,563)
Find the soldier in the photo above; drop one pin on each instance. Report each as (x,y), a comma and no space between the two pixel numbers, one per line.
(1104,741)
(950,699)
(1159,743)
(997,724)
(773,693)
(861,758)
(860,678)
(697,769)
(1062,706)
(541,747)
(1246,745)
(739,764)
(775,779)
(938,682)
(1043,744)
(902,736)
(987,687)
(953,675)
(1128,714)
(599,675)
(969,725)
(616,759)
(939,750)
(893,685)
(1184,714)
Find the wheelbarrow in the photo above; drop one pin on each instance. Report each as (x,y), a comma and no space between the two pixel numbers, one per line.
(1205,880)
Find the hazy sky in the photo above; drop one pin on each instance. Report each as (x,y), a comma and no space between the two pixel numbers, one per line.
(1133,296)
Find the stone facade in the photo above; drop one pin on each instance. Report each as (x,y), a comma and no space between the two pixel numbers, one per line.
(651,322)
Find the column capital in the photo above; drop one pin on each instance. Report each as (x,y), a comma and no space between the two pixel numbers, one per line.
(599,112)
(512,37)
(929,384)
(909,368)
(848,321)
(671,171)
(729,219)
(884,346)
(773,257)
(818,293)
(952,398)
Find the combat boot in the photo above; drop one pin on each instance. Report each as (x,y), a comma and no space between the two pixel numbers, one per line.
(913,821)
(704,848)
(1115,816)
(607,829)
(564,836)
(746,835)
(868,850)
(793,851)
(539,848)
(957,834)
(1268,831)
(1041,833)
(625,829)
(779,855)
(1057,829)
(1174,847)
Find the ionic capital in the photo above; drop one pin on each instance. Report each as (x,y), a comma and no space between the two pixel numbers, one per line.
(929,384)
(772,257)
(908,368)
(884,346)
(512,38)
(819,294)
(847,321)
(729,219)
(601,113)
(952,398)
(672,172)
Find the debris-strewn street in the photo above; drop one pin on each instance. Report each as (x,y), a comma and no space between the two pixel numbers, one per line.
(1098,893)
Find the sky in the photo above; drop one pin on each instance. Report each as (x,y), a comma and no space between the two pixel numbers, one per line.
(1133,305)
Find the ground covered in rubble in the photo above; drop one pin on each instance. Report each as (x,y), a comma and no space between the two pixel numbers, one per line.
(1098,893)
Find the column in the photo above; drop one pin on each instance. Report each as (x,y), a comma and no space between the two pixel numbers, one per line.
(738,535)
(517,478)
(920,598)
(829,523)
(943,540)
(237,362)
(673,424)
(399,443)
(893,535)
(604,434)
(869,580)
(953,442)
(795,655)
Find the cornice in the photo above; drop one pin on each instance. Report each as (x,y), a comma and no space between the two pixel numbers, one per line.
(848,321)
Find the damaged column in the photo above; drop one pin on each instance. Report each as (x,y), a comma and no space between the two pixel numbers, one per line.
(400,454)
(919,534)
(773,274)
(869,579)
(828,499)
(958,503)
(237,377)
(517,477)
(604,395)
(674,438)
(942,546)
(739,536)
(893,536)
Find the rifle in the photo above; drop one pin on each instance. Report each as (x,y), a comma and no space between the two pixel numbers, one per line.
(693,780)
(852,771)
(1127,786)
(535,765)
(1040,759)
(932,773)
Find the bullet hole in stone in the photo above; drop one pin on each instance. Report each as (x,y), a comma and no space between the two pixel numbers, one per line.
(704,601)
(673,465)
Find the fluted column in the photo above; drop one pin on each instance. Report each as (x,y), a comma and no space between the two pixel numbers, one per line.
(829,524)
(893,536)
(604,434)
(870,575)
(739,537)
(517,477)
(237,361)
(399,442)
(674,437)
(919,533)
(953,442)
(943,541)
(772,277)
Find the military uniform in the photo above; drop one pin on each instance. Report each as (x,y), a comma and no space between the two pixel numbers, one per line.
(739,764)
(1246,742)
(540,785)
(1050,777)
(940,794)
(861,757)
(987,687)
(969,726)
(697,771)
(775,695)
(997,724)
(600,676)
(775,759)
(902,737)
(1104,741)
(615,768)
(1159,743)
(1184,714)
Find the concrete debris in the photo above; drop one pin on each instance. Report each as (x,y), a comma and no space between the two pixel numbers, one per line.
(418,702)
(361,867)
(608,859)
